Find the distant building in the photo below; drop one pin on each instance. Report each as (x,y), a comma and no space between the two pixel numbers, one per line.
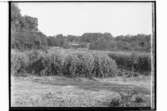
(80,45)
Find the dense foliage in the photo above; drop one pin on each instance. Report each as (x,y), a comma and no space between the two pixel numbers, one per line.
(59,41)
(91,37)
(22,23)
(133,62)
(28,40)
(73,63)
(24,31)
(104,41)
(138,42)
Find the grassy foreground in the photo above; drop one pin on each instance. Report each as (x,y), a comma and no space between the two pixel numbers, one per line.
(59,91)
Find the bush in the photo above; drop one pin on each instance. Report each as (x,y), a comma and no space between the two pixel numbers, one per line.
(56,62)
(138,98)
(42,63)
(79,64)
(70,65)
(86,63)
(115,102)
(33,62)
(38,66)
(89,65)
(130,99)
(104,66)
(19,63)
(132,62)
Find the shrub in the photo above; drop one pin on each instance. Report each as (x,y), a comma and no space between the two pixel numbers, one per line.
(86,64)
(37,62)
(39,66)
(19,62)
(104,66)
(132,62)
(56,62)
(115,102)
(89,65)
(33,55)
(138,98)
(70,65)
(43,63)
(78,64)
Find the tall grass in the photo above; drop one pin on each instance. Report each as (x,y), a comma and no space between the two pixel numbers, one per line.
(61,62)
(103,65)
(79,64)
(73,63)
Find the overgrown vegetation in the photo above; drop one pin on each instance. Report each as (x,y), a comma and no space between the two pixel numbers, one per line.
(104,41)
(58,41)
(140,42)
(28,40)
(24,31)
(133,62)
(78,63)
(82,63)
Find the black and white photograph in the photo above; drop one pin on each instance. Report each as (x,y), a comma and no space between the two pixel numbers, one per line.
(82,54)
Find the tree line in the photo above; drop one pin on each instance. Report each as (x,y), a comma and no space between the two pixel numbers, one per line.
(26,35)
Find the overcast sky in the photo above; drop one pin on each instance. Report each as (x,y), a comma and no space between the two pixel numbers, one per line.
(78,18)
